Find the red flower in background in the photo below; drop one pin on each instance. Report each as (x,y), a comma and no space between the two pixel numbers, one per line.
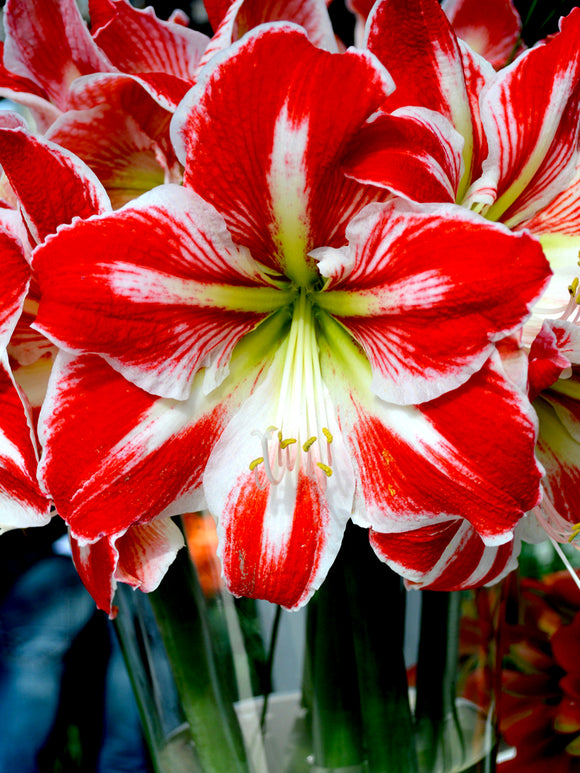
(540,704)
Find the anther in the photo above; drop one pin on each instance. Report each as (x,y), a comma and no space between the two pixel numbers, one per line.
(327,434)
(255,462)
(308,444)
(325,469)
(575,532)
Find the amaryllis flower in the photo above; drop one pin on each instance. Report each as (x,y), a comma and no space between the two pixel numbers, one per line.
(275,343)
(74,193)
(492,30)
(108,94)
(520,130)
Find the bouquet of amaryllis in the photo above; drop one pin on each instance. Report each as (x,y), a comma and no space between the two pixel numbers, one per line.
(295,285)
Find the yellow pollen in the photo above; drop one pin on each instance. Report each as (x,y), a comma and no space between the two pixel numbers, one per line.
(325,469)
(288,442)
(327,434)
(575,532)
(255,462)
(309,443)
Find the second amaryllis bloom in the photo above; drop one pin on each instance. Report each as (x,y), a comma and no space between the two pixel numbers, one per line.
(276,342)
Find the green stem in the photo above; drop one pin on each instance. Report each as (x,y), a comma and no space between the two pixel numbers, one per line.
(179,607)
(376,600)
(336,721)
(270,665)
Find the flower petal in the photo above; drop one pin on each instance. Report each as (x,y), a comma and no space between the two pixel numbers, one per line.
(48,42)
(14,280)
(556,346)
(562,214)
(415,42)
(244,15)
(295,108)
(492,30)
(126,160)
(530,114)
(431,287)
(447,556)
(413,152)
(277,540)
(96,566)
(558,451)
(73,190)
(22,504)
(421,465)
(136,41)
(139,557)
(137,456)
(146,551)
(157,288)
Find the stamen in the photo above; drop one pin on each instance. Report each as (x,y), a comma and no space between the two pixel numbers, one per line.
(288,442)
(303,410)
(308,444)
(575,532)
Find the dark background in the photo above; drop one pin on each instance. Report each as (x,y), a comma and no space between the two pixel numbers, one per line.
(539,17)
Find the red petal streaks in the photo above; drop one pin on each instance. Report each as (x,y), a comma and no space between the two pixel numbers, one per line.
(284,578)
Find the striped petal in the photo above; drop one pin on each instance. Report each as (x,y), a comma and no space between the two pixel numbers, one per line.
(552,352)
(558,450)
(245,15)
(136,41)
(562,214)
(531,115)
(428,291)
(279,112)
(415,42)
(139,557)
(446,556)
(14,279)
(127,100)
(22,504)
(422,465)
(413,152)
(96,565)
(492,30)
(136,458)
(73,190)
(127,161)
(172,292)
(281,508)
(48,42)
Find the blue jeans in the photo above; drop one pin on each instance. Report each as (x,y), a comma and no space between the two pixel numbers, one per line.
(43,613)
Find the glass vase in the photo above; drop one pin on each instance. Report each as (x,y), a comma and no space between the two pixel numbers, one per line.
(370,678)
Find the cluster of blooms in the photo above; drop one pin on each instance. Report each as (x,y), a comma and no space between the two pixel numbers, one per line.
(289,283)
(540,705)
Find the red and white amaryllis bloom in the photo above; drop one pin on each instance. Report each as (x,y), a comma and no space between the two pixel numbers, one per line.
(274,342)
(520,167)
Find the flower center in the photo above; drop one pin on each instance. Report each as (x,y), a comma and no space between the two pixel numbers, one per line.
(299,438)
